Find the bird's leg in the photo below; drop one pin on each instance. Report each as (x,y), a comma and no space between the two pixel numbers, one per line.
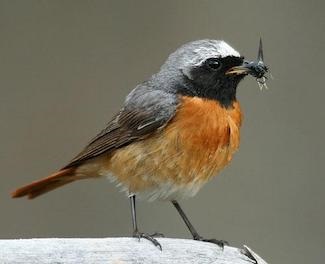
(133,213)
(136,232)
(191,228)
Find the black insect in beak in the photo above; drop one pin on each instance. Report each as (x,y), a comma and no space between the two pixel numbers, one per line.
(255,68)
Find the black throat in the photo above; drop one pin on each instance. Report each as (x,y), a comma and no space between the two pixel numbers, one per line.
(222,90)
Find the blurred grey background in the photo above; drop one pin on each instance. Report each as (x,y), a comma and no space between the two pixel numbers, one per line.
(65,68)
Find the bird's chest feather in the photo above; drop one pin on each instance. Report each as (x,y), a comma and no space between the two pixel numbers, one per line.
(205,126)
(203,137)
(176,161)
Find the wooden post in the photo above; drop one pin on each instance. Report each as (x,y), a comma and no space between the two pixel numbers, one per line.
(120,251)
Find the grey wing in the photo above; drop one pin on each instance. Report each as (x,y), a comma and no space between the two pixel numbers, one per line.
(145,111)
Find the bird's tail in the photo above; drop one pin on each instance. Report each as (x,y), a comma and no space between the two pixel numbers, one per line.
(47,184)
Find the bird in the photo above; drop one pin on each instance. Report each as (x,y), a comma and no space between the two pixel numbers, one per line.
(175,131)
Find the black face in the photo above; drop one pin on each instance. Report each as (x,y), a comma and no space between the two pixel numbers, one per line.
(209,80)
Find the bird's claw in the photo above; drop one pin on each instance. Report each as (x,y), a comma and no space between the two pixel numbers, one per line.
(157,234)
(151,238)
(220,243)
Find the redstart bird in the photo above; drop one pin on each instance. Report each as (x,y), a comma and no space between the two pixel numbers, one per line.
(174,133)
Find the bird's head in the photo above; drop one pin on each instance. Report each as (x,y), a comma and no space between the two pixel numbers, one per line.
(210,69)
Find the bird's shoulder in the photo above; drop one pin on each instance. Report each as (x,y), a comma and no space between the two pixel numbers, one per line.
(145,110)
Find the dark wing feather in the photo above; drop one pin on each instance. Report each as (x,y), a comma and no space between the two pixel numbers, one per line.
(145,111)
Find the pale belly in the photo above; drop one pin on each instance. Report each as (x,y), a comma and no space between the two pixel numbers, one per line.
(164,170)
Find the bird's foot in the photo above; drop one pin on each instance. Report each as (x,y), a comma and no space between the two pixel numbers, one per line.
(157,234)
(151,238)
(220,243)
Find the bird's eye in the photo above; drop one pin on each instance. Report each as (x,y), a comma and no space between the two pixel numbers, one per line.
(213,63)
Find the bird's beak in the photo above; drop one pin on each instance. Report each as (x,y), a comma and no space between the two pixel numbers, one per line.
(243,69)
(255,68)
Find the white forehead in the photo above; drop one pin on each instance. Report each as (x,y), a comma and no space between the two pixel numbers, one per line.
(205,49)
(194,53)
(216,48)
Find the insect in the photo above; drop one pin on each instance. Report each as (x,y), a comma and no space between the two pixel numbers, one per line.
(257,68)
(260,68)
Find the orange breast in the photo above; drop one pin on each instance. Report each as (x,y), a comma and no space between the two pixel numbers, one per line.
(205,125)
(207,135)
(176,161)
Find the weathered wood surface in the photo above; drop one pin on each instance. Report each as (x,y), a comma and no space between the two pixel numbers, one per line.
(120,251)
